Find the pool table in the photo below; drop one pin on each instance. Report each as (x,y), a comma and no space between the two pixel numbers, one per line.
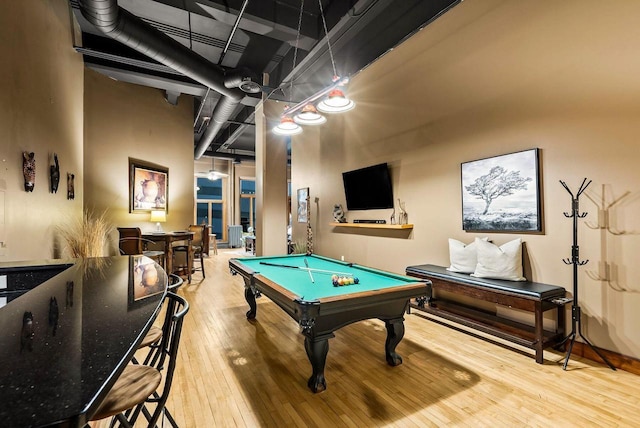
(302,286)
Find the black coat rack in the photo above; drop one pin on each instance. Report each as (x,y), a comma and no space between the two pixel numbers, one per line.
(576,325)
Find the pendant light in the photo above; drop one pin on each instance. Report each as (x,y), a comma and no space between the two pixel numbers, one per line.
(214,175)
(336,102)
(287,126)
(306,112)
(309,116)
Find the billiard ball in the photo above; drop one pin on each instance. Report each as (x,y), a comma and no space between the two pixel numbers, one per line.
(334,277)
(356,280)
(335,282)
(340,281)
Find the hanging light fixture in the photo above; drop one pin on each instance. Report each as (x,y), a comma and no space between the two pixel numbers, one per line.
(306,112)
(214,175)
(309,116)
(336,102)
(287,126)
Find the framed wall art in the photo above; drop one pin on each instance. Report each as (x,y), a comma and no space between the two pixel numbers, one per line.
(145,280)
(502,193)
(303,205)
(148,186)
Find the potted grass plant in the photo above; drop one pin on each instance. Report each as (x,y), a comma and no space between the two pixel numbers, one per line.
(85,236)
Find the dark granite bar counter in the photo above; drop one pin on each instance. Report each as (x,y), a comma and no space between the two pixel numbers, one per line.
(67,330)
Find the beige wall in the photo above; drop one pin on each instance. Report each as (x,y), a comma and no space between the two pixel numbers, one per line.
(125,121)
(41,84)
(489,78)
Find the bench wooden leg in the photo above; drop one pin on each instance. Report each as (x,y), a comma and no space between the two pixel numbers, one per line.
(539,324)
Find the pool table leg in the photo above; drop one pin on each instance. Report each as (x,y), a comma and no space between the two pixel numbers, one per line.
(249,295)
(317,349)
(395,333)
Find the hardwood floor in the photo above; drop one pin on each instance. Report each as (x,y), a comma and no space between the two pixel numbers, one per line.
(233,372)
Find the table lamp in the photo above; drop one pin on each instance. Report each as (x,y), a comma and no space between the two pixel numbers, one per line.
(159,216)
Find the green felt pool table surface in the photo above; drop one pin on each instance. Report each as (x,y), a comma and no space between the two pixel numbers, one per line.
(298,281)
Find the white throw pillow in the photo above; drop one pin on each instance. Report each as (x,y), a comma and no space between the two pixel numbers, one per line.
(503,262)
(463,257)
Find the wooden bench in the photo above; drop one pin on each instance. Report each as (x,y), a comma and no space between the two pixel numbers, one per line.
(526,295)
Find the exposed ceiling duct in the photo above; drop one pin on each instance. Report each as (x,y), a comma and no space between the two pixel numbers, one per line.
(131,31)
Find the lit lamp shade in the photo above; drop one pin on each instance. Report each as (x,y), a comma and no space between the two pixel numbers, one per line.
(309,116)
(287,127)
(336,102)
(158,216)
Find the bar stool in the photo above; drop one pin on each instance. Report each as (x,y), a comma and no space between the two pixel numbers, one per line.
(214,243)
(153,336)
(137,386)
(196,249)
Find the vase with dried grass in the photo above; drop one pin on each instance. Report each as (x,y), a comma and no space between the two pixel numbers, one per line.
(85,236)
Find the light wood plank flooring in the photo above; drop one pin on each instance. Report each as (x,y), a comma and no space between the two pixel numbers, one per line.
(236,373)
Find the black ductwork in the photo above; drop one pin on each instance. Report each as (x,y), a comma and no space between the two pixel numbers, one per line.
(130,30)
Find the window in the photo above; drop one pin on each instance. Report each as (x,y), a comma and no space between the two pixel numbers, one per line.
(210,205)
(247,203)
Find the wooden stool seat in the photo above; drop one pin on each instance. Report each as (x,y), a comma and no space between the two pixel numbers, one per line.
(154,335)
(134,386)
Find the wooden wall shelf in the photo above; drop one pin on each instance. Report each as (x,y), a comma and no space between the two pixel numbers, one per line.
(374,225)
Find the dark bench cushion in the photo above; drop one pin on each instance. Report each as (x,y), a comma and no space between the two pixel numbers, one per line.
(528,288)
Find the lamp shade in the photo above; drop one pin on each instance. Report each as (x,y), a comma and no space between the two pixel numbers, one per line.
(309,116)
(287,127)
(158,216)
(336,102)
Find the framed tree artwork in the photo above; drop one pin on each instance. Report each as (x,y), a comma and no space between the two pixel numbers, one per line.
(502,193)
(148,186)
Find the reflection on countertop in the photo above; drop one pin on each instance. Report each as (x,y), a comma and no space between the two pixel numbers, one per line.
(65,330)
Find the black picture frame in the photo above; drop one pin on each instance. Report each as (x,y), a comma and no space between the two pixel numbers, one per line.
(148,186)
(502,193)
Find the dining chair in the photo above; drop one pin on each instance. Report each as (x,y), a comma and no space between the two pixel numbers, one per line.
(132,243)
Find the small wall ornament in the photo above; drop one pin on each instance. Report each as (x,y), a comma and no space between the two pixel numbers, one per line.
(54,172)
(338,214)
(29,170)
(71,192)
(403,217)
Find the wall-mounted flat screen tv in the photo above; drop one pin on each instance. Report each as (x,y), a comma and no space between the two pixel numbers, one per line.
(368,188)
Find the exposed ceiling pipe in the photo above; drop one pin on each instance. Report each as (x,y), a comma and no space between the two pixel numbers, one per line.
(233,31)
(129,30)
